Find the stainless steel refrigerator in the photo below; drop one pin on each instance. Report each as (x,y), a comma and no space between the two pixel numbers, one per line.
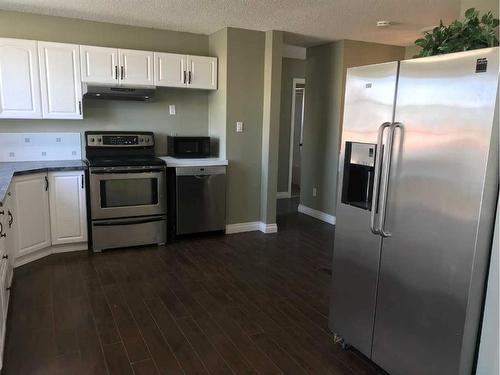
(418,181)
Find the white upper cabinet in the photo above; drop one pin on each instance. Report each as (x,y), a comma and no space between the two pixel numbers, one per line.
(202,72)
(32,218)
(68,210)
(99,65)
(170,69)
(19,79)
(60,80)
(174,70)
(136,67)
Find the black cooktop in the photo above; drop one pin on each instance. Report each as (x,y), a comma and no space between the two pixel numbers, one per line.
(123,161)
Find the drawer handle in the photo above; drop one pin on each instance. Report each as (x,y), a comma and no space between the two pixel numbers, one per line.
(5,257)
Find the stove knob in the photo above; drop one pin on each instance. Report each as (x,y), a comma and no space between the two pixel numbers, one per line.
(92,140)
(99,140)
(141,140)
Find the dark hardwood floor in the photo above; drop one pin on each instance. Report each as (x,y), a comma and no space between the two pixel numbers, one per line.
(245,304)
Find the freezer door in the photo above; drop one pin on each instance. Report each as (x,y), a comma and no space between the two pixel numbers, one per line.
(443,181)
(370,92)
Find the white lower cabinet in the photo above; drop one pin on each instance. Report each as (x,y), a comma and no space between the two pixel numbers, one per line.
(6,266)
(68,212)
(31,206)
(49,214)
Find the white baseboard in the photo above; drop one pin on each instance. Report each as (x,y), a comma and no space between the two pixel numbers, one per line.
(66,248)
(330,219)
(55,249)
(268,228)
(282,195)
(251,226)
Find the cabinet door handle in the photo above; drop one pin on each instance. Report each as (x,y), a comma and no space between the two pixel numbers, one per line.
(116,71)
(11,218)
(80,106)
(122,72)
(189,79)
(2,234)
(46,183)
(5,257)
(83,181)
(184,81)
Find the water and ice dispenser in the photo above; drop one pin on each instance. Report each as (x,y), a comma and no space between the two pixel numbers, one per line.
(359,170)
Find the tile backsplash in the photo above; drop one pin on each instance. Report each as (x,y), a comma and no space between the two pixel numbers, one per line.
(40,146)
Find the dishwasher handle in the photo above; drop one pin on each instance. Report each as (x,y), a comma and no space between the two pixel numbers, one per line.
(200,172)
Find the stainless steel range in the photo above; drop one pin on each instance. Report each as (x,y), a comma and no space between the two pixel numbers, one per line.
(127,190)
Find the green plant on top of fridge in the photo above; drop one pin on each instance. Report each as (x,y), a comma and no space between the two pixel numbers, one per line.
(473,32)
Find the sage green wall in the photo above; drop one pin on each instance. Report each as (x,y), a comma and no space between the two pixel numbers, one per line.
(291,68)
(217,100)
(71,30)
(321,126)
(326,68)
(191,105)
(241,100)
(271,125)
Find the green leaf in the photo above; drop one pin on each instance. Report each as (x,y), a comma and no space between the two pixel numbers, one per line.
(469,13)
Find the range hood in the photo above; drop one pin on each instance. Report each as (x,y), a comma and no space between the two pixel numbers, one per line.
(118,93)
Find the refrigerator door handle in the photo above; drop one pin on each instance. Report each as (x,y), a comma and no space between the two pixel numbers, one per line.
(385,183)
(376,179)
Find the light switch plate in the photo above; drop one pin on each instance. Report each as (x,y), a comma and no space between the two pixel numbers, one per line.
(239,127)
(171,109)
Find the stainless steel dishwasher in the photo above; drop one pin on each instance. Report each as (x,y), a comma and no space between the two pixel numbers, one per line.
(200,199)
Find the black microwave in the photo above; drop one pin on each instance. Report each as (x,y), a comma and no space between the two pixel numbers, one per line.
(188,147)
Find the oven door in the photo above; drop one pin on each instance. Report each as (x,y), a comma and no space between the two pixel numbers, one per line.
(118,192)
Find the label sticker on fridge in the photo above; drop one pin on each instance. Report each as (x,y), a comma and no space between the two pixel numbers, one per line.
(368,85)
(481,65)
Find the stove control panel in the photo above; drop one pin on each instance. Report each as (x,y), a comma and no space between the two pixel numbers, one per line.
(119,140)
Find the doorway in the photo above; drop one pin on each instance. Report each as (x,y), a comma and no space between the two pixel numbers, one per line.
(296,136)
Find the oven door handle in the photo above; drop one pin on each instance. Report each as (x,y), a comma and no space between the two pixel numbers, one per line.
(128,171)
(127,222)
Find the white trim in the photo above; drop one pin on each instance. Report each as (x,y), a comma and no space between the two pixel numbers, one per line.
(56,249)
(330,219)
(242,227)
(251,226)
(268,228)
(282,195)
(292,129)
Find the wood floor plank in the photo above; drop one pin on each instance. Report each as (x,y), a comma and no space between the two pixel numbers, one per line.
(246,303)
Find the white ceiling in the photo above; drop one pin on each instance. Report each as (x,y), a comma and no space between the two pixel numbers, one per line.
(306,22)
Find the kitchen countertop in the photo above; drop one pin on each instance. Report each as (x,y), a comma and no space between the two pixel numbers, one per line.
(9,169)
(204,162)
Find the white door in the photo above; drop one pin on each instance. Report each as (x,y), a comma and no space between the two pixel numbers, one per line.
(68,210)
(60,80)
(99,65)
(32,220)
(136,67)
(19,79)
(202,72)
(170,69)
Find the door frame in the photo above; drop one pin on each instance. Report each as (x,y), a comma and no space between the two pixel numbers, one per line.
(295,82)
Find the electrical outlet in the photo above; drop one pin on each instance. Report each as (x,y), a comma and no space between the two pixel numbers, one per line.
(315,192)
(239,127)
(171,109)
